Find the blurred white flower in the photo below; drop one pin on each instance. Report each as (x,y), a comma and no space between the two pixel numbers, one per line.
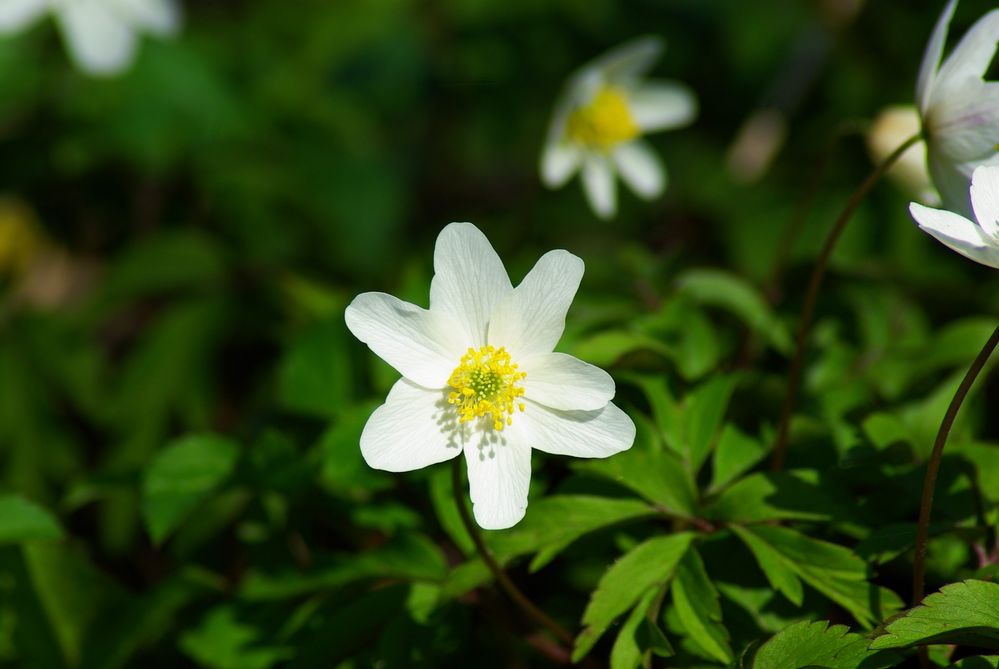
(480,375)
(598,123)
(100,35)
(979,240)
(894,125)
(960,110)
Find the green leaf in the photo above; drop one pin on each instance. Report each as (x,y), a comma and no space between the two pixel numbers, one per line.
(776,496)
(561,519)
(977,662)
(315,376)
(181,476)
(606,348)
(734,294)
(704,411)
(666,411)
(817,644)
(72,593)
(639,637)
(831,569)
(960,613)
(736,454)
(781,575)
(223,642)
(696,602)
(658,476)
(409,557)
(648,565)
(21,520)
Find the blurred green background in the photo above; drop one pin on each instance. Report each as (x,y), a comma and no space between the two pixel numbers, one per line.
(177,245)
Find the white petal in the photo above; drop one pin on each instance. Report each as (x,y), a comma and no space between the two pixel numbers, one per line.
(560,381)
(499,475)
(160,17)
(972,55)
(985,198)
(662,105)
(963,121)
(469,280)
(99,40)
(415,428)
(631,60)
(559,162)
(931,57)
(957,233)
(421,345)
(598,184)
(640,168)
(531,318)
(581,434)
(17,14)
(950,180)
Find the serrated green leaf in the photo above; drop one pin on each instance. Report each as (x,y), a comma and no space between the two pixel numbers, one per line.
(221,641)
(817,644)
(666,411)
(649,564)
(781,575)
(774,496)
(559,520)
(960,613)
(704,411)
(696,602)
(21,520)
(181,476)
(977,662)
(658,476)
(831,569)
(736,454)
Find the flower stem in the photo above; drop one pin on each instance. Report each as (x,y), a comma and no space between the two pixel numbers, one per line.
(808,311)
(933,466)
(501,576)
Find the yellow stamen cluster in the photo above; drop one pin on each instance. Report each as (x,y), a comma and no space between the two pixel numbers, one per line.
(485,383)
(604,122)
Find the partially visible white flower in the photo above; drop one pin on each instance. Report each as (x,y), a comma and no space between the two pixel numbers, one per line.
(979,239)
(959,109)
(598,123)
(479,375)
(894,125)
(100,35)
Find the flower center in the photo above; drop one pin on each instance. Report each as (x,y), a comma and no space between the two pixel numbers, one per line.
(486,383)
(604,122)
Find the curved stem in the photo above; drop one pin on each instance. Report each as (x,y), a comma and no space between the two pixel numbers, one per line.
(501,576)
(933,466)
(808,310)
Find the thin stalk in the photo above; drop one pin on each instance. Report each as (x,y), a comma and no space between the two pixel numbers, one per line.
(933,466)
(502,578)
(814,284)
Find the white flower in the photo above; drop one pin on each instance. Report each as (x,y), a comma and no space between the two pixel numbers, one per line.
(599,121)
(100,35)
(977,241)
(894,125)
(960,110)
(480,376)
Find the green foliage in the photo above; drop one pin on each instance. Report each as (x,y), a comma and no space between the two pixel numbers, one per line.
(180,477)
(650,564)
(819,644)
(961,613)
(20,520)
(181,402)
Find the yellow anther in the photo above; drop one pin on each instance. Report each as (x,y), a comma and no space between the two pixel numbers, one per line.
(486,383)
(604,122)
